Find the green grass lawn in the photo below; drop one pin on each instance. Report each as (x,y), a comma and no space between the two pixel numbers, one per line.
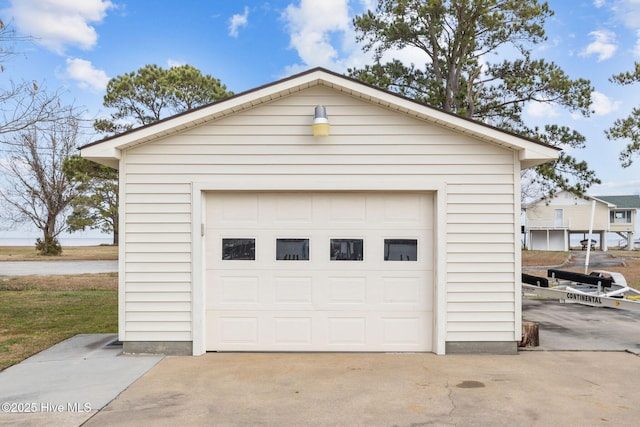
(69,253)
(37,312)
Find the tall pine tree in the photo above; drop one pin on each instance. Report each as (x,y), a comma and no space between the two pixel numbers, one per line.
(478,64)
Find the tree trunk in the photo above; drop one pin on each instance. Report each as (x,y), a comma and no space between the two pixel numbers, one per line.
(530,336)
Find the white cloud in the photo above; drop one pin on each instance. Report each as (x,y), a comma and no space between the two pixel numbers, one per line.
(540,109)
(599,3)
(175,63)
(238,21)
(86,75)
(57,24)
(629,12)
(369,4)
(323,35)
(601,104)
(616,187)
(603,45)
(312,25)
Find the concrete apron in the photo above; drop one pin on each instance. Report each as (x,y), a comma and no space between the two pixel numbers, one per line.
(69,382)
(532,388)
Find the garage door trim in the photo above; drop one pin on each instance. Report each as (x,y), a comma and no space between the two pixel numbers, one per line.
(316,184)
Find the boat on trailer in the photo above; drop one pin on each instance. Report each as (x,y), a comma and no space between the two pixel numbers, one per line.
(600,288)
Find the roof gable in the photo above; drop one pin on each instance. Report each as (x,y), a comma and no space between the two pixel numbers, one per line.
(107,151)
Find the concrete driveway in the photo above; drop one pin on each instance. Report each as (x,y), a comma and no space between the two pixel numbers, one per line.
(310,389)
(571,388)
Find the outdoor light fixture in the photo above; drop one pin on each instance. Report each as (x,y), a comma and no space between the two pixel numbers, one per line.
(320,122)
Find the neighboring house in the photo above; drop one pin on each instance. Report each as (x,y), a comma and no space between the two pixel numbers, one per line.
(550,223)
(399,231)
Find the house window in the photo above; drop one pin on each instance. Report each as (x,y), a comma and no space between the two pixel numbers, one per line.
(620,217)
(347,250)
(558,218)
(292,249)
(238,249)
(400,250)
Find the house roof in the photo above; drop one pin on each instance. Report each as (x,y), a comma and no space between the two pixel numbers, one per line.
(622,202)
(612,202)
(107,151)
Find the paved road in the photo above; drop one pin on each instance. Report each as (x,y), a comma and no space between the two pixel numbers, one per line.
(46,268)
(597,259)
(576,327)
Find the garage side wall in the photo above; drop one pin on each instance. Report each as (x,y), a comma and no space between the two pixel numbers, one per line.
(273,141)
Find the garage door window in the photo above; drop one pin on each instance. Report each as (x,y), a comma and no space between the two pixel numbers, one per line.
(238,249)
(347,250)
(292,249)
(400,250)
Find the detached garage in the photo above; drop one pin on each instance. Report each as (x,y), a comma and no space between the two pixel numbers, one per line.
(394,228)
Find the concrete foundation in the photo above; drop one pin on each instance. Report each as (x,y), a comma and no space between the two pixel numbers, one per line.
(481,347)
(169,348)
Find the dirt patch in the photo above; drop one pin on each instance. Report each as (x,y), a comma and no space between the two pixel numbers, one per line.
(544,258)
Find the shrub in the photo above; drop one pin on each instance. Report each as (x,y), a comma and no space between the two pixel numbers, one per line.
(49,247)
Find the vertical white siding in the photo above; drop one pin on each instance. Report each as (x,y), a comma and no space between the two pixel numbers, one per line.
(274,140)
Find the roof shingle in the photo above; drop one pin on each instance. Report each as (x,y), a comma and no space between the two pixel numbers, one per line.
(622,202)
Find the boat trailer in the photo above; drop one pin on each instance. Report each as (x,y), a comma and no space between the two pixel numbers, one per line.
(600,288)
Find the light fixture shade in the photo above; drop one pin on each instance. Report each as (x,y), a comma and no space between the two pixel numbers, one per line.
(320,122)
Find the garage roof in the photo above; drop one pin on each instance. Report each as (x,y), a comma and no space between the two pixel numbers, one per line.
(107,151)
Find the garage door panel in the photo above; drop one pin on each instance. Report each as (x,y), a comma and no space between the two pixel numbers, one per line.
(294,297)
(319,242)
(239,330)
(234,209)
(346,209)
(404,210)
(324,331)
(348,331)
(346,290)
(293,331)
(402,290)
(401,330)
(238,290)
(291,210)
(338,291)
(293,290)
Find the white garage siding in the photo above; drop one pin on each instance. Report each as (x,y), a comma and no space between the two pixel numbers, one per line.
(481,301)
(272,142)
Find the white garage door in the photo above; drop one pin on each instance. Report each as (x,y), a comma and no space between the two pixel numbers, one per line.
(319,271)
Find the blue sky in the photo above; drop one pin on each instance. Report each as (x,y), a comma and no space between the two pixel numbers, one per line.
(80,44)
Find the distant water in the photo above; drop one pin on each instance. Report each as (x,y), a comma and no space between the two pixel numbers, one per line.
(64,241)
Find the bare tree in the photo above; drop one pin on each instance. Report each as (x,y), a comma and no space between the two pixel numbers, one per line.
(8,39)
(26,103)
(35,188)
